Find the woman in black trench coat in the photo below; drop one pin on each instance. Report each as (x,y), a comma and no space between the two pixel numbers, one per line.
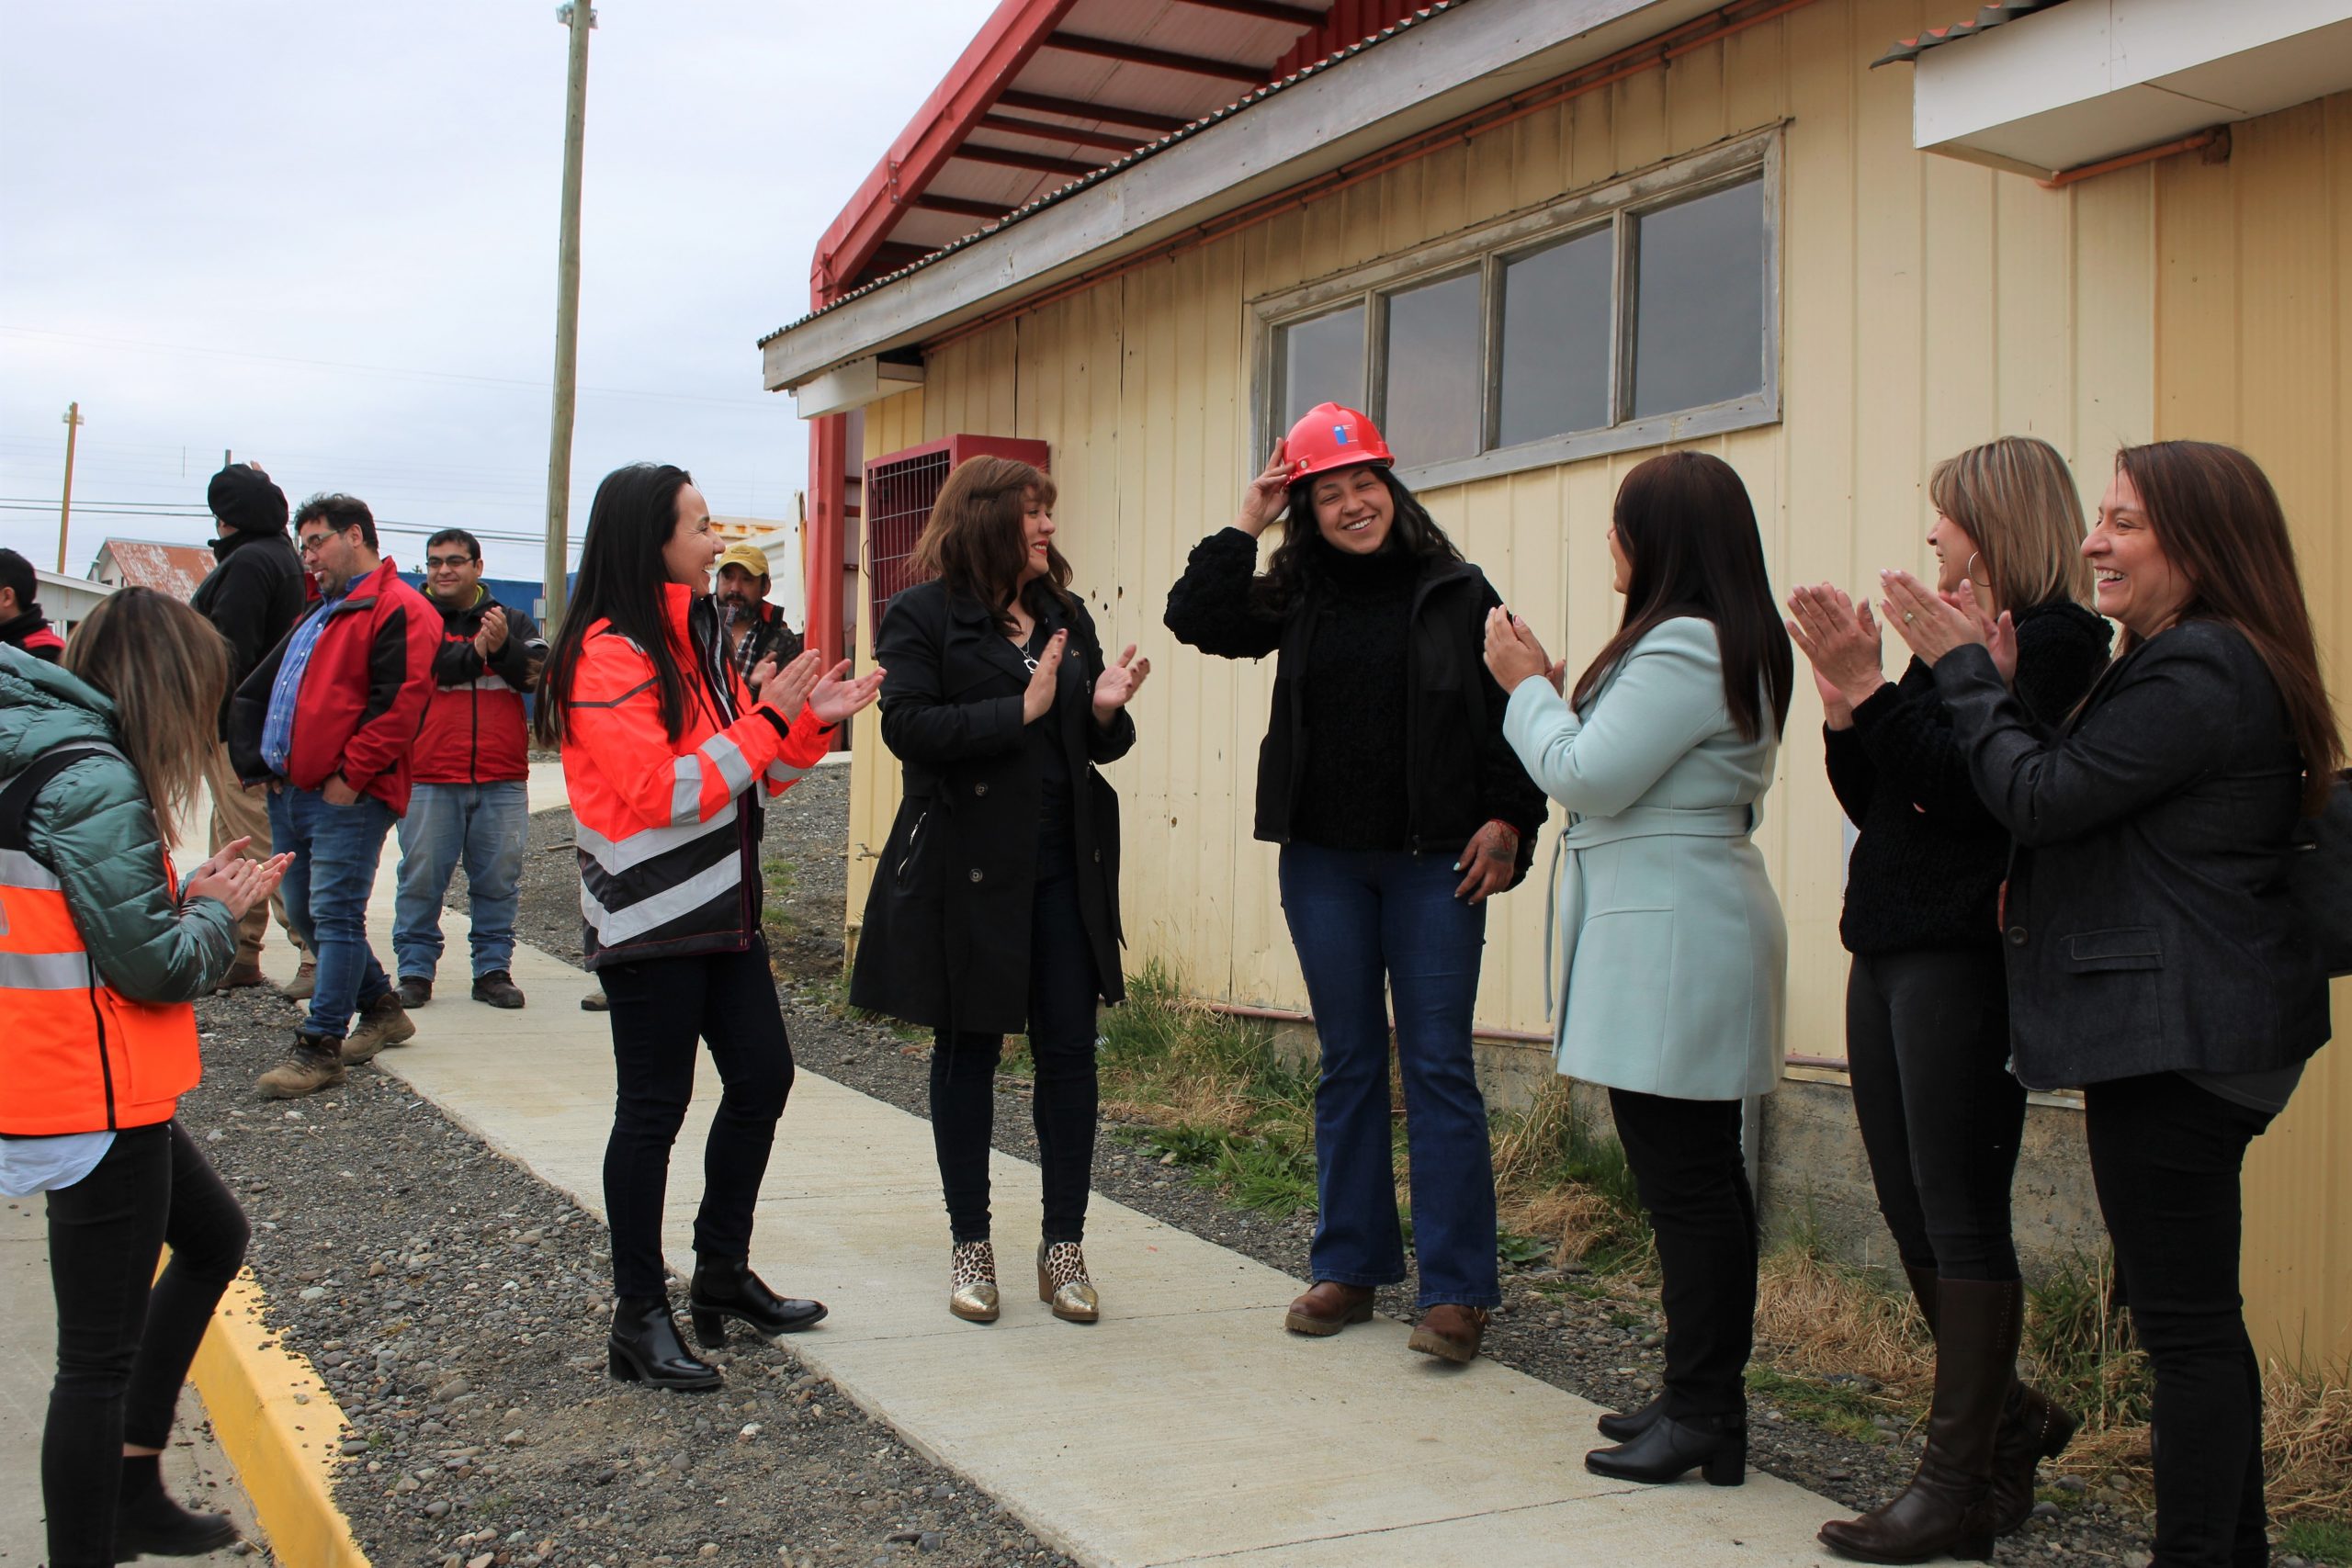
(995,909)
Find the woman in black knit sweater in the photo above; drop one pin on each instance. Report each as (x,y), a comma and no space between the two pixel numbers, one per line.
(1400,809)
(1926,1009)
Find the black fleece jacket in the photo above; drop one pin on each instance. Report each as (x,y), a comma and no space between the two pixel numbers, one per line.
(1926,870)
(252,596)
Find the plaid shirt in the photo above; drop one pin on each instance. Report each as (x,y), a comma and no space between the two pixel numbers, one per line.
(767,637)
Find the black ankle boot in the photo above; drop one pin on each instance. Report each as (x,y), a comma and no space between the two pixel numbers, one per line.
(722,1290)
(1624,1428)
(645,1348)
(1669,1450)
(147,1520)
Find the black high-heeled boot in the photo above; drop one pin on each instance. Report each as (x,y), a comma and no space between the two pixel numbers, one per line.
(722,1290)
(1669,1450)
(1631,1424)
(147,1520)
(645,1348)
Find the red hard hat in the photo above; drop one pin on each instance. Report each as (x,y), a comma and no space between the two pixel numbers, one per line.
(1329,436)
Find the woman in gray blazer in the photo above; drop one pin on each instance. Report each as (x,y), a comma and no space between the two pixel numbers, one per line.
(1670,951)
(2155,956)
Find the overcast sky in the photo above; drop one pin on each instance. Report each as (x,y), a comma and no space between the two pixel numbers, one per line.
(323,235)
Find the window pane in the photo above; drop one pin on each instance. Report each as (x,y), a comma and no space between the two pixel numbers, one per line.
(1555,341)
(1322,362)
(1699,320)
(1433,386)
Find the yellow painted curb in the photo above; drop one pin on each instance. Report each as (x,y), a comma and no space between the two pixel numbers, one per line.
(281,1428)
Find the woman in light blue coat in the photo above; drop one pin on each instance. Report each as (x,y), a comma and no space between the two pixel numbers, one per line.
(1668,946)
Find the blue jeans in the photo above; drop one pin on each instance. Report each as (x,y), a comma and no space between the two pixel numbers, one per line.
(335,849)
(488,824)
(1358,919)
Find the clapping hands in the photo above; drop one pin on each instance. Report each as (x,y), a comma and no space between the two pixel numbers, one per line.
(235,880)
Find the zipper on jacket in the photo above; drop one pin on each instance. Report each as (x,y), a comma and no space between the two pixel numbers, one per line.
(913,833)
(98,1018)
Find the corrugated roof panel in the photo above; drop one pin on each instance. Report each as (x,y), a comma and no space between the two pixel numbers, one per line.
(1986,19)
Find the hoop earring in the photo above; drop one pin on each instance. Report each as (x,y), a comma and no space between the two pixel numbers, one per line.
(1969,572)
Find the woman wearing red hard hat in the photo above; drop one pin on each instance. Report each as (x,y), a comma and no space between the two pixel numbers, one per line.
(1400,809)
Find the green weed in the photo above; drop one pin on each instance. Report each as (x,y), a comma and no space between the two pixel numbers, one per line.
(1832,1407)
(2317,1540)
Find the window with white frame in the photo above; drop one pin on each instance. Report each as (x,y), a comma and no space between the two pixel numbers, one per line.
(1644,311)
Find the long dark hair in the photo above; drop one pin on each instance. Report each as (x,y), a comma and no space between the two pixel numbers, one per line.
(2215,514)
(1413,532)
(1685,522)
(975,542)
(621,574)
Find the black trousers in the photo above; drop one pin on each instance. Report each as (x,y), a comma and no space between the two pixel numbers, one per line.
(1692,1180)
(659,1009)
(1063,993)
(1928,1044)
(2166,1155)
(124,1337)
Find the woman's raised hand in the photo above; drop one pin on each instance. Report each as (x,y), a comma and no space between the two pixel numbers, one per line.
(1840,640)
(1513,653)
(238,883)
(1925,620)
(1038,700)
(1267,495)
(1117,685)
(834,699)
(2000,631)
(787,688)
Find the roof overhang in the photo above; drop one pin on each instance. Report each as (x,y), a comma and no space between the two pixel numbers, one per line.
(2073,85)
(1420,77)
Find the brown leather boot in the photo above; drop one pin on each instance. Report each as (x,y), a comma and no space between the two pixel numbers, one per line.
(1451,1332)
(1946,1510)
(1328,1308)
(2033,1427)
(242,973)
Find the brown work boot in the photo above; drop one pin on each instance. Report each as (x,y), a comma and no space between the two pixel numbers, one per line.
(499,989)
(305,981)
(381,1023)
(244,972)
(315,1063)
(1451,1331)
(1328,1308)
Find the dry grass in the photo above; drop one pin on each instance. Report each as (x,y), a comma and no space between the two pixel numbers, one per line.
(1816,1316)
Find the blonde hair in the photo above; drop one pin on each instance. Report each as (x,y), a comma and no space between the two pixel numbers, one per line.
(2015,498)
(167,671)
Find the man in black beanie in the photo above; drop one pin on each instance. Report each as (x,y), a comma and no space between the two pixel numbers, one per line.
(252,596)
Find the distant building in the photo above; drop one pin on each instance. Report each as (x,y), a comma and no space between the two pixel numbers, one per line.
(65,600)
(174,569)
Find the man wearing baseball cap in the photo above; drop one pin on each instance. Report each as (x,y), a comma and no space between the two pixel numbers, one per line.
(755,628)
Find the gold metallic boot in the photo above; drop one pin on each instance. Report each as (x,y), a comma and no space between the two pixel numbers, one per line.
(972,1283)
(1062,1282)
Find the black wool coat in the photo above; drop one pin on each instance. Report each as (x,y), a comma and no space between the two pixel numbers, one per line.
(946,937)
(2149,928)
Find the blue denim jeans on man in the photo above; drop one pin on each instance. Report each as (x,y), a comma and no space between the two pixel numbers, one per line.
(487,827)
(1367,925)
(326,887)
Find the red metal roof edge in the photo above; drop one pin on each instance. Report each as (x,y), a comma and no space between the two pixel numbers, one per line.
(1435,7)
(1986,19)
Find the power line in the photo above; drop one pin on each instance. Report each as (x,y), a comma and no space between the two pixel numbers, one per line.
(163,511)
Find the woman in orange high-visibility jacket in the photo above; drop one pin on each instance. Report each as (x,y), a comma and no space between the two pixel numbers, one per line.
(667,754)
(100,956)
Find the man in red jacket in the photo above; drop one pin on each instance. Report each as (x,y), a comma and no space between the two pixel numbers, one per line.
(472,763)
(328,721)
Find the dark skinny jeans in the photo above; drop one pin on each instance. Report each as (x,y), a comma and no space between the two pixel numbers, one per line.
(1693,1180)
(1928,1044)
(1063,991)
(124,1337)
(660,1007)
(2166,1158)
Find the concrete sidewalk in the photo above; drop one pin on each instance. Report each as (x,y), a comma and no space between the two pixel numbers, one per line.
(1185,1428)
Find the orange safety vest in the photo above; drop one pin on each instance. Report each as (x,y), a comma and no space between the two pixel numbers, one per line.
(76,1055)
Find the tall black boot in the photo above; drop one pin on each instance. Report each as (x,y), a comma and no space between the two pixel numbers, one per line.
(147,1520)
(724,1289)
(1946,1509)
(645,1348)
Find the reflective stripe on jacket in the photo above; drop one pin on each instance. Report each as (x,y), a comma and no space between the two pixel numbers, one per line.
(77,1055)
(668,832)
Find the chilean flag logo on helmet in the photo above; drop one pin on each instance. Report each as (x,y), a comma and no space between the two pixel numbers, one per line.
(1330,436)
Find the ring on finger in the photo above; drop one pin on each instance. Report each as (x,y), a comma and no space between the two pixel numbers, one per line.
(1909,616)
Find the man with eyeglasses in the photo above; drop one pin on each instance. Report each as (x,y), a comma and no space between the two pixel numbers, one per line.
(326,721)
(471,762)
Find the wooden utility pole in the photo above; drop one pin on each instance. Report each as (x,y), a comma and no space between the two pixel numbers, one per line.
(579,17)
(74,422)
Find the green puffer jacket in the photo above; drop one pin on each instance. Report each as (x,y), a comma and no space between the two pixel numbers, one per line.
(91,826)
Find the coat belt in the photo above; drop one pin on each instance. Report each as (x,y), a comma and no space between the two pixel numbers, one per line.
(1633,822)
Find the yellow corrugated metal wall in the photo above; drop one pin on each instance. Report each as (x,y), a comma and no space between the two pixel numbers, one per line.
(1928,305)
(2253,346)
